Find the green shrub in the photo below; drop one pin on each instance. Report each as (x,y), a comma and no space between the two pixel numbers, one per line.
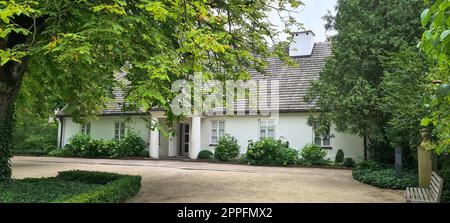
(48,149)
(33,145)
(82,145)
(369,172)
(205,155)
(370,165)
(381,152)
(33,135)
(144,153)
(348,162)
(88,177)
(32,152)
(132,145)
(60,153)
(445,174)
(115,188)
(339,156)
(227,149)
(313,155)
(78,145)
(269,151)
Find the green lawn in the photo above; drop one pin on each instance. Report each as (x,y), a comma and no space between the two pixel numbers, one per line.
(72,187)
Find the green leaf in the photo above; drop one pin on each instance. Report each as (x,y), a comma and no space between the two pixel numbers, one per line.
(445,34)
(425,17)
(425,122)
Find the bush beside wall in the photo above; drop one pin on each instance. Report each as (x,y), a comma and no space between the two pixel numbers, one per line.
(339,158)
(84,146)
(269,151)
(227,149)
(348,162)
(205,155)
(313,155)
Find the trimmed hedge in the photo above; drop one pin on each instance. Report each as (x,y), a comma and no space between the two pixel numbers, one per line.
(71,187)
(205,155)
(339,158)
(115,187)
(40,190)
(369,172)
(348,162)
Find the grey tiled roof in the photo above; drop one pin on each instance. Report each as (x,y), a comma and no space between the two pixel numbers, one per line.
(294,81)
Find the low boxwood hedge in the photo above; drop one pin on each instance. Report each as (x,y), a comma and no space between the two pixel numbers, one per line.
(74,186)
(114,188)
(382,176)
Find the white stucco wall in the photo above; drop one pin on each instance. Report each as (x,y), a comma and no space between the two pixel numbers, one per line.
(291,126)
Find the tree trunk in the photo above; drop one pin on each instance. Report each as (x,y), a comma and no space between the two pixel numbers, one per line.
(365,146)
(11,75)
(398,162)
(6,128)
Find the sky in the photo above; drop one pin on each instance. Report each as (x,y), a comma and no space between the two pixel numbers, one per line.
(310,15)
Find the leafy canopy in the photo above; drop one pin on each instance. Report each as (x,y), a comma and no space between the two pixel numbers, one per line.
(436,44)
(73,48)
(348,91)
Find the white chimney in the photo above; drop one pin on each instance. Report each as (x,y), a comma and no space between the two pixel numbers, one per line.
(302,43)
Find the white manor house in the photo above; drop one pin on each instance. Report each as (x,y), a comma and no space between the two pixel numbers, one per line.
(199,132)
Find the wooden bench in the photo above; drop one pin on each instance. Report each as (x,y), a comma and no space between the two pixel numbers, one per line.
(426,195)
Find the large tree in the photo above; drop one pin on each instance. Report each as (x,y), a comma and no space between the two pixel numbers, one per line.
(65,52)
(436,44)
(370,34)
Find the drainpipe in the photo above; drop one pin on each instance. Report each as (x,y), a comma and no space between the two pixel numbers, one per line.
(61,120)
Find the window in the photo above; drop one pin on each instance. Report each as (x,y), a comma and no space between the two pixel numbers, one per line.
(323,140)
(119,130)
(266,129)
(217,131)
(86,129)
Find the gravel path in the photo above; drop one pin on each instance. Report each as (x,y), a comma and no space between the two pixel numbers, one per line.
(181,181)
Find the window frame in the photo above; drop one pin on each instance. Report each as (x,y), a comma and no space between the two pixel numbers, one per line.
(266,128)
(218,136)
(329,136)
(121,131)
(85,129)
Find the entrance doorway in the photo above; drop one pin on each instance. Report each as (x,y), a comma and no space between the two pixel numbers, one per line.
(184,145)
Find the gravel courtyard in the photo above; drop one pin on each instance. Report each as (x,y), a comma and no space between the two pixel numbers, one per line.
(181,181)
